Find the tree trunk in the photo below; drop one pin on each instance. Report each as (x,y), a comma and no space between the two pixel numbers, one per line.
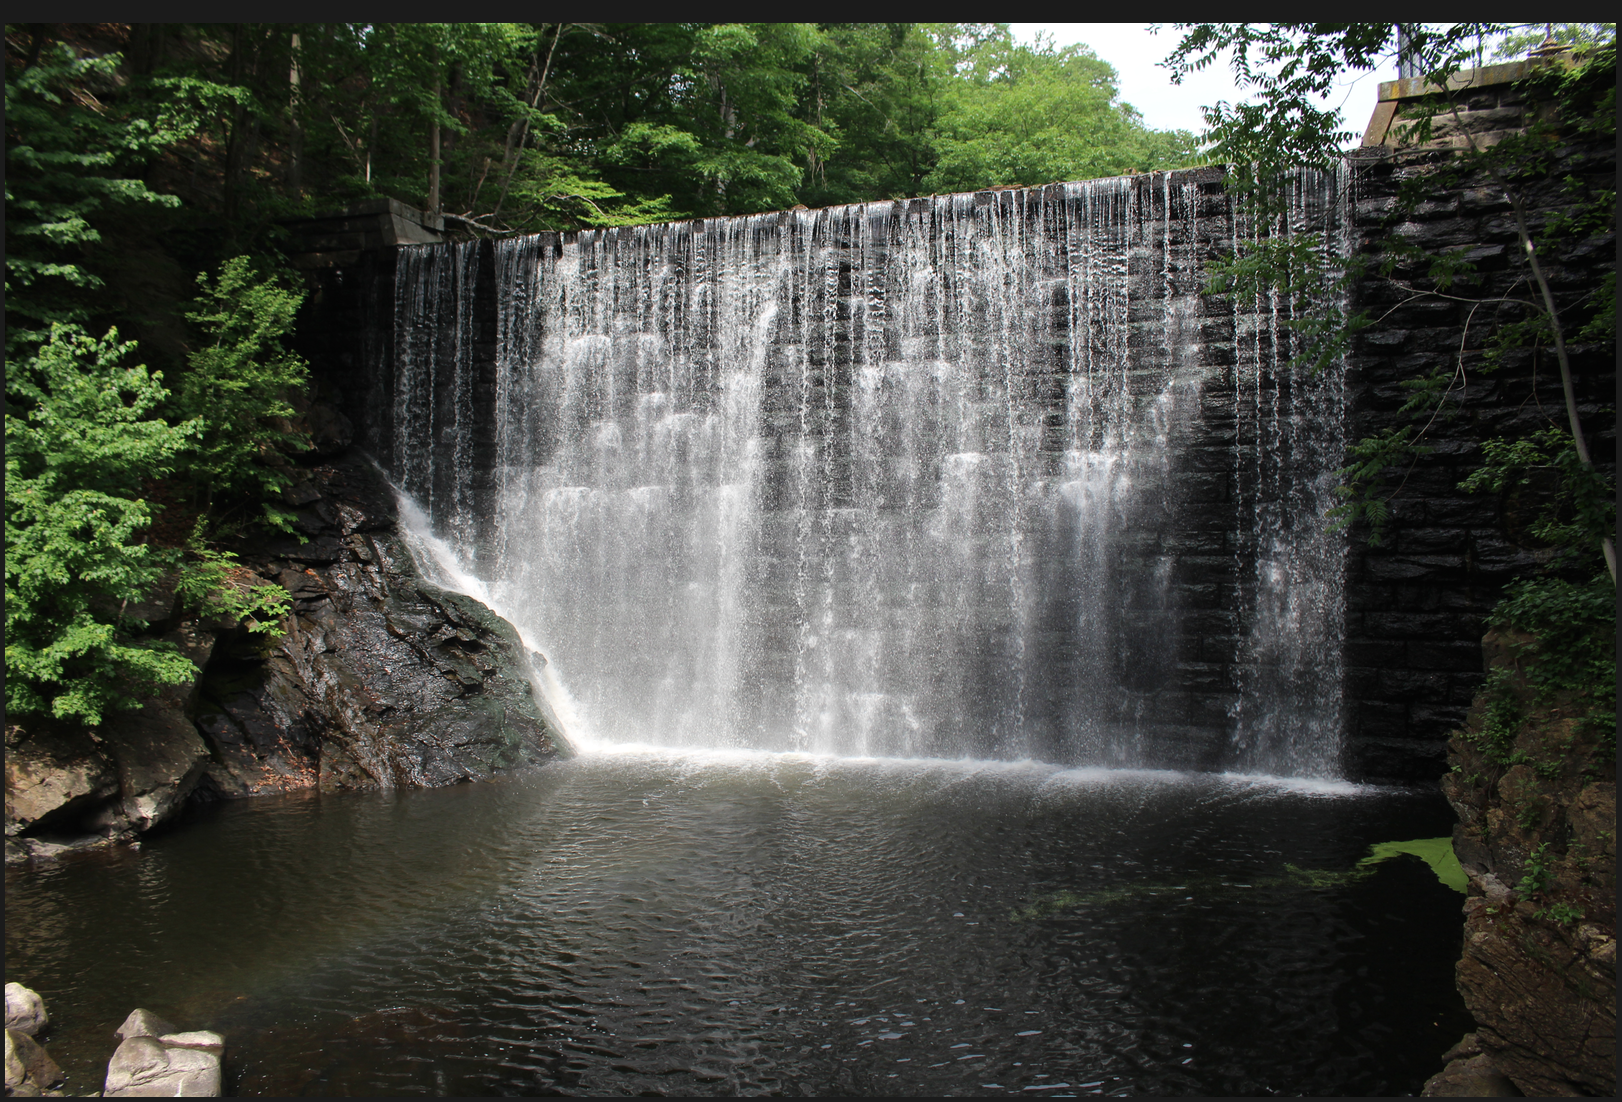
(433,156)
(295,128)
(515,149)
(236,143)
(146,48)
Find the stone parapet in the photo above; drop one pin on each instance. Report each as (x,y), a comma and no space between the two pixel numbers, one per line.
(1485,105)
(338,239)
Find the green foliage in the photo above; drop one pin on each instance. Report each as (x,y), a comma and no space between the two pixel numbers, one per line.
(1567,659)
(1538,875)
(875,89)
(1322,879)
(1502,720)
(1583,36)
(1567,914)
(1582,507)
(1034,114)
(238,389)
(1436,852)
(211,583)
(1573,652)
(1289,69)
(68,158)
(570,125)
(82,434)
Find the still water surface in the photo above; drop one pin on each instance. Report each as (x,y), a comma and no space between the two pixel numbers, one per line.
(646,922)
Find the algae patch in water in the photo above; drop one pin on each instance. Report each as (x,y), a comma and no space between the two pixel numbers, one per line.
(1435,852)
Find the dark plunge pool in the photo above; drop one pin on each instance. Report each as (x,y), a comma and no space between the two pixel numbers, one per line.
(656,923)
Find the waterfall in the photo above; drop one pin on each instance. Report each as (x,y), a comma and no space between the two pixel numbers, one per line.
(982,475)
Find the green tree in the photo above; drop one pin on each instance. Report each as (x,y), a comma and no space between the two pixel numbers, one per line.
(706,114)
(83,435)
(69,158)
(1530,36)
(1019,114)
(875,89)
(237,392)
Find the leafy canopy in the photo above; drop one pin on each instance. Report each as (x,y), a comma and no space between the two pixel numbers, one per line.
(1033,114)
(67,160)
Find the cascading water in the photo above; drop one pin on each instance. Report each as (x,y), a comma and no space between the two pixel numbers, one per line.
(978,475)
(1291,440)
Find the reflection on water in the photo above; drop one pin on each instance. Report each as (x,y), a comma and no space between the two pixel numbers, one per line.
(639,921)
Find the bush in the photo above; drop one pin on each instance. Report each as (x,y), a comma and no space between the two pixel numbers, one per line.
(84,438)
(238,390)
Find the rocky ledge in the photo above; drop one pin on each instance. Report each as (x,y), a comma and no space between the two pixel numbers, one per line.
(1536,802)
(379,678)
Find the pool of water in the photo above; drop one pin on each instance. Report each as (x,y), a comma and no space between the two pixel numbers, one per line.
(645,922)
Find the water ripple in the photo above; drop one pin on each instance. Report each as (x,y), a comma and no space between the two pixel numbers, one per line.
(748,923)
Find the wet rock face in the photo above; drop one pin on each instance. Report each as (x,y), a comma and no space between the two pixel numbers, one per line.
(1537,838)
(382,679)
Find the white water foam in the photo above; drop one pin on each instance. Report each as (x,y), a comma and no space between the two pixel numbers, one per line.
(894,481)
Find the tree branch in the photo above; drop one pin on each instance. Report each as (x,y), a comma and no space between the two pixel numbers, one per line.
(1566,384)
(517,152)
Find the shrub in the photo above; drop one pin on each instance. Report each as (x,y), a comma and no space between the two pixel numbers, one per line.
(238,389)
(82,433)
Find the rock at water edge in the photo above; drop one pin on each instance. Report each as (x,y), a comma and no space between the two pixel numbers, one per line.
(143,1023)
(1470,1073)
(28,1065)
(25,1010)
(145,1067)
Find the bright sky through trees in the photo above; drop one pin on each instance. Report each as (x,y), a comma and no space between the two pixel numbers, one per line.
(1136,52)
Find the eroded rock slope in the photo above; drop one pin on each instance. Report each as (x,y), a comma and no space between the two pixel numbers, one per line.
(379,678)
(1534,787)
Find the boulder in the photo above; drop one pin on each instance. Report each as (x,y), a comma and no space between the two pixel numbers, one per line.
(54,773)
(381,679)
(25,1010)
(153,1060)
(1470,1077)
(145,1067)
(159,755)
(68,786)
(16,1066)
(143,1023)
(28,1065)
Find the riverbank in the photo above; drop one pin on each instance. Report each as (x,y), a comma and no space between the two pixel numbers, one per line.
(1533,782)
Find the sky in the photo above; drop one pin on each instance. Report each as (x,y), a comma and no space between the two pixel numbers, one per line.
(1135,52)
